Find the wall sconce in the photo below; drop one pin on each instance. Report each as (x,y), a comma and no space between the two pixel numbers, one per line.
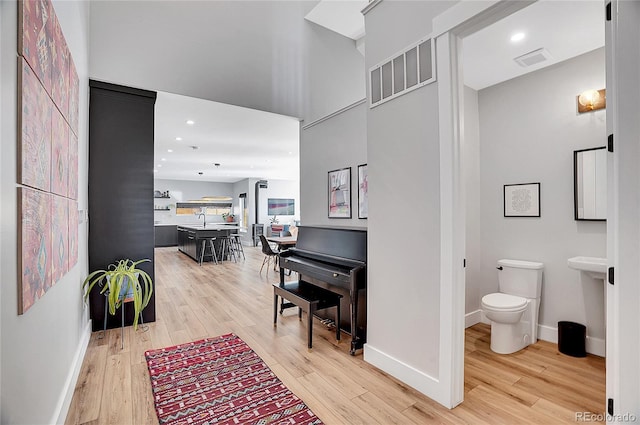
(592,100)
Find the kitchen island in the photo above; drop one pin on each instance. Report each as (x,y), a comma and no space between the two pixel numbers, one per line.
(190,237)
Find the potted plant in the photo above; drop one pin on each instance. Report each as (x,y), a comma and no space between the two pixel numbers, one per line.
(228,217)
(121,281)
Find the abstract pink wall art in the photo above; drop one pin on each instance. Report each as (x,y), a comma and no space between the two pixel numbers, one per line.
(60,68)
(74,96)
(59,154)
(34,245)
(72,192)
(35,39)
(59,237)
(73,234)
(34,121)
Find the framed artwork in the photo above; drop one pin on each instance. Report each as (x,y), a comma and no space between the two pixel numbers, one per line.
(34,246)
(48,109)
(59,237)
(522,200)
(59,68)
(340,193)
(59,154)
(35,38)
(363,192)
(74,96)
(34,162)
(72,191)
(73,234)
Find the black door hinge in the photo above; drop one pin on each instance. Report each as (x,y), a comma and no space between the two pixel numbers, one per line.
(610,143)
(608,10)
(610,406)
(610,275)
(464,262)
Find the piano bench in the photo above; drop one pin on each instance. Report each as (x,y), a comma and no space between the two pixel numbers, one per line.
(309,298)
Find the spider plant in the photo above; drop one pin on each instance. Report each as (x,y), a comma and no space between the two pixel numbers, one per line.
(122,282)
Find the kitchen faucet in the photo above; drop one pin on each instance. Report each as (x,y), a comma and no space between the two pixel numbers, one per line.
(203,214)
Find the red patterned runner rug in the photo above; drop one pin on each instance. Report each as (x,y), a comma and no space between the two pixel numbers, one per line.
(221,381)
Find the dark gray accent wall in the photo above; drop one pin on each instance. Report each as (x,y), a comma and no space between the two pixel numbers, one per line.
(120,186)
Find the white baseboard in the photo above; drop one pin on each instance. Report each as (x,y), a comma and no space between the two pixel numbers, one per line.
(472,318)
(64,401)
(595,346)
(417,379)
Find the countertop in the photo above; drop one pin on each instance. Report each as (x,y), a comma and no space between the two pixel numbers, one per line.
(210,226)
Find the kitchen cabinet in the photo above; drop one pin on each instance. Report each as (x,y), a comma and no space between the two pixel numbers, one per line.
(166,235)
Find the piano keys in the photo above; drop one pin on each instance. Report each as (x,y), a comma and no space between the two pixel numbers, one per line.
(334,258)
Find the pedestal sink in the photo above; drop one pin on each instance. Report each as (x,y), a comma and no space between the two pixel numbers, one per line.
(593,266)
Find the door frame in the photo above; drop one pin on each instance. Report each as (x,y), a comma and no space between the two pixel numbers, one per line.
(623,233)
(449,30)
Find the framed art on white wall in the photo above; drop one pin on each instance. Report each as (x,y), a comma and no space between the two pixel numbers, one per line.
(340,193)
(363,192)
(522,200)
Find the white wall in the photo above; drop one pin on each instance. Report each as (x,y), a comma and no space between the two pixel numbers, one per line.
(338,142)
(242,53)
(404,190)
(42,349)
(279,189)
(335,72)
(529,128)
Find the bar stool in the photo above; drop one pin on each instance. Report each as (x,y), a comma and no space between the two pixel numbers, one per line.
(204,248)
(238,245)
(226,248)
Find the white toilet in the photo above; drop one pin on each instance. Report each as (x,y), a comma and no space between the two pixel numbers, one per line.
(514,310)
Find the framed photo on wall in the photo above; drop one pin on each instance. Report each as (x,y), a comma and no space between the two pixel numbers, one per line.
(522,200)
(340,193)
(363,192)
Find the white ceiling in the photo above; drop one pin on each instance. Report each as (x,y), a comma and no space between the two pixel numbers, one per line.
(341,16)
(246,53)
(564,28)
(247,143)
(254,144)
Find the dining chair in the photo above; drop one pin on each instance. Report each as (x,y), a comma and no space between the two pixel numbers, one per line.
(268,254)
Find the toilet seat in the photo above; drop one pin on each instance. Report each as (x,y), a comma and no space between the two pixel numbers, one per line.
(504,302)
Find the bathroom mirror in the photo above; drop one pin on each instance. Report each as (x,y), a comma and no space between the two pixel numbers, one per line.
(590,184)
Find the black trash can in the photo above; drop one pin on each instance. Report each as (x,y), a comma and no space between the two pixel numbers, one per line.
(571,339)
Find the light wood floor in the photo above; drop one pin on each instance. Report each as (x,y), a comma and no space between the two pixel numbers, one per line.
(535,386)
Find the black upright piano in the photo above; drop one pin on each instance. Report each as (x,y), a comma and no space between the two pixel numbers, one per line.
(334,259)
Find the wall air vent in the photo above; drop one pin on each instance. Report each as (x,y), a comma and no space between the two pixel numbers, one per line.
(409,69)
(533,58)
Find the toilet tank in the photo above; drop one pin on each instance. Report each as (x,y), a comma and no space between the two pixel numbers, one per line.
(521,278)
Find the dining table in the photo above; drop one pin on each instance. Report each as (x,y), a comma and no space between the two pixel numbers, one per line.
(283,242)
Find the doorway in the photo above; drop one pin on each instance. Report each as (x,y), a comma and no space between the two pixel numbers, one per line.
(450,47)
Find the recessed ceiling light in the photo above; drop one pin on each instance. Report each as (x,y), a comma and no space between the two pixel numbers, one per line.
(163,159)
(190,122)
(290,153)
(159,165)
(169,150)
(519,36)
(178,138)
(155,171)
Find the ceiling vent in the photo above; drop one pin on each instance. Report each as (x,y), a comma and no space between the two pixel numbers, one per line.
(533,58)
